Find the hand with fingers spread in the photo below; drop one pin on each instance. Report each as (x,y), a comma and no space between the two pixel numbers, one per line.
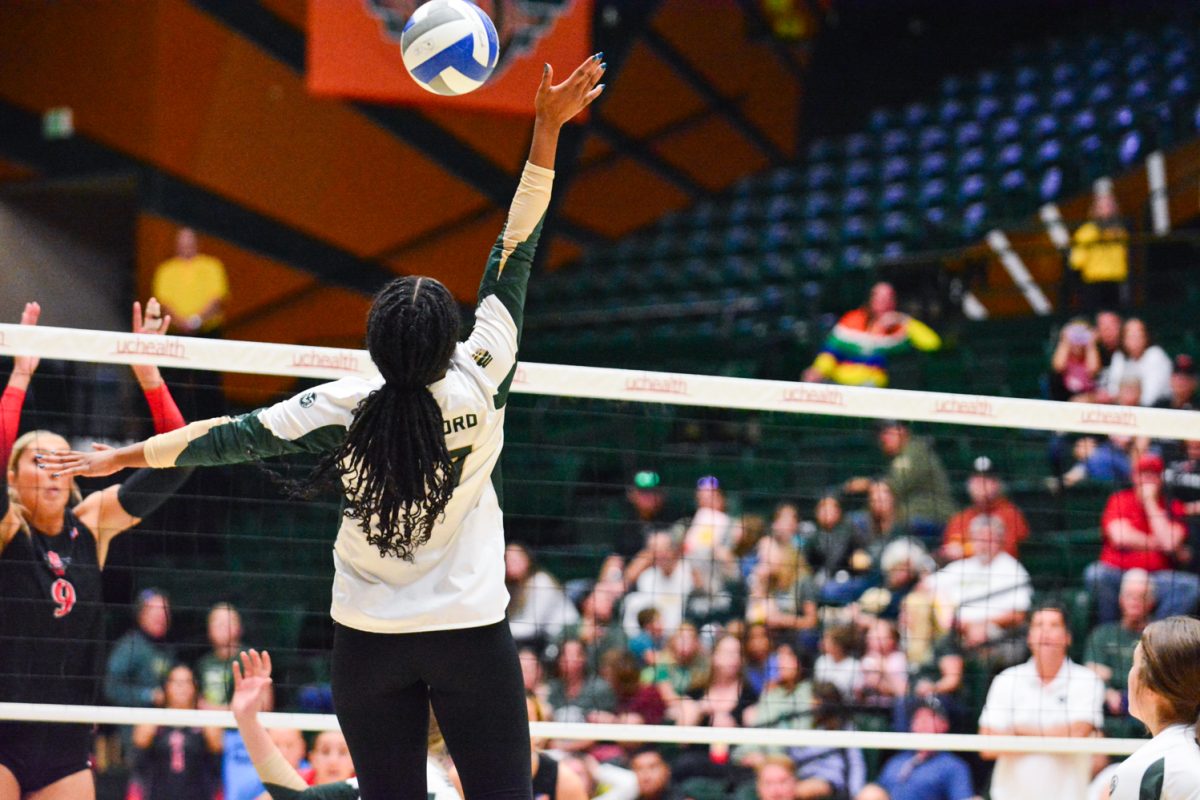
(152,323)
(25,366)
(251,684)
(557,103)
(103,460)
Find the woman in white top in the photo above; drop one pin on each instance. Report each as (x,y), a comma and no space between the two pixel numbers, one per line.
(1140,359)
(418,589)
(1164,693)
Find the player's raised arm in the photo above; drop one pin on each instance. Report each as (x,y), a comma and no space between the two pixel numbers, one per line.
(501,311)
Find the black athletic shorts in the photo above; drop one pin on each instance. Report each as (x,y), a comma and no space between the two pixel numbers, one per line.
(40,753)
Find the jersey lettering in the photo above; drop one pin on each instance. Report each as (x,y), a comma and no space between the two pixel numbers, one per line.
(457,424)
(63,593)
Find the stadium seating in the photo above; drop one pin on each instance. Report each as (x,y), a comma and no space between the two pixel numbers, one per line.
(975,152)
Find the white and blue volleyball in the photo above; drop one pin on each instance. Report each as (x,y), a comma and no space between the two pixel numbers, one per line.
(450,47)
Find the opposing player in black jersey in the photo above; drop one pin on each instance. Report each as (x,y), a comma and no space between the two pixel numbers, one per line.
(53,544)
(178,763)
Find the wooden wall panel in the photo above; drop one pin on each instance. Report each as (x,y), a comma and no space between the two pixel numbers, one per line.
(649,96)
(619,197)
(712,153)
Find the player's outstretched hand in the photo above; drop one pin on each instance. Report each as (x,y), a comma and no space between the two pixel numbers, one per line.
(251,684)
(557,103)
(25,366)
(152,321)
(98,463)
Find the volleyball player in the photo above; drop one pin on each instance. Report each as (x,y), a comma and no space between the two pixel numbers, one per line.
(53,545)
(251,688)
(418,591)
(1164,693)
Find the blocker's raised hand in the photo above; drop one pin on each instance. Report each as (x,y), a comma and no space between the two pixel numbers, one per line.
(557,103)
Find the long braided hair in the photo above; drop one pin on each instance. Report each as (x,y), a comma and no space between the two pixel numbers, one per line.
(393,464)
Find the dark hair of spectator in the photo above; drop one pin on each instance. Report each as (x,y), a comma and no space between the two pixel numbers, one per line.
(646,616)
(1171,666)
(623,672)
(1053,605)
(847,637)
(829,707)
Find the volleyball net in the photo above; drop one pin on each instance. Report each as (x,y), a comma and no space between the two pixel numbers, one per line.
(769,495)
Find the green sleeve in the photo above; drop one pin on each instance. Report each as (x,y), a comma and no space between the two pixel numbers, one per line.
(245,438)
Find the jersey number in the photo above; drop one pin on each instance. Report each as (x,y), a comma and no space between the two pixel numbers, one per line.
(63,593)
(176,743)
(458,457)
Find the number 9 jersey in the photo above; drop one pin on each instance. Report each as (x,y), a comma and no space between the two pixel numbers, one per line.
(50,616)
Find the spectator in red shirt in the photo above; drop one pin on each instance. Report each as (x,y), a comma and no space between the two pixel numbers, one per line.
(1142,529)
(986,491)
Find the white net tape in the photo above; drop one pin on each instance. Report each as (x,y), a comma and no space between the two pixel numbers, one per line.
(106,715)
(331,363)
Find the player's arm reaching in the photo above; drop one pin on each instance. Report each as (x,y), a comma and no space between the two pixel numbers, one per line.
(114,510)
(313,421)
(11,402)
(251,687)
(500,314)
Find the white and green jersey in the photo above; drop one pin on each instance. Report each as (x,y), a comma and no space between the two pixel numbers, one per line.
(1165,768)
(456,579)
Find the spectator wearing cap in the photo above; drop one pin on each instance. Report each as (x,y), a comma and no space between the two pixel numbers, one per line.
(1183,385)
(1140,358)
(1109,651)
(1048,695)
(918,480)
(708,551)
(924,774)
(1143,529)
(647,511)
(984,597)
(986,491)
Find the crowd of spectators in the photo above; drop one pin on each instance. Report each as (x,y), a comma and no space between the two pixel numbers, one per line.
(911,614)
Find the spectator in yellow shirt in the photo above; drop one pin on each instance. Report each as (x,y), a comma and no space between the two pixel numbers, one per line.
(192,287)
(1100,254)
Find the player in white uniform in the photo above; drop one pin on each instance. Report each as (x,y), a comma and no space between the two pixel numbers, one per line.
(1164,693)
(418,592)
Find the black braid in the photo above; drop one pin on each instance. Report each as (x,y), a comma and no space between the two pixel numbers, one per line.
(393,464)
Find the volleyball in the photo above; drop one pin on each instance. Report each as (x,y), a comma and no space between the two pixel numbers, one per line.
(450,47)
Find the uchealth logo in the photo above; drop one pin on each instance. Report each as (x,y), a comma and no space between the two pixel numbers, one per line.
(814,395)
(153,346)
(655,384)
(974,407)
(1101,416)
(520,24)
(340,360)
(520,376)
